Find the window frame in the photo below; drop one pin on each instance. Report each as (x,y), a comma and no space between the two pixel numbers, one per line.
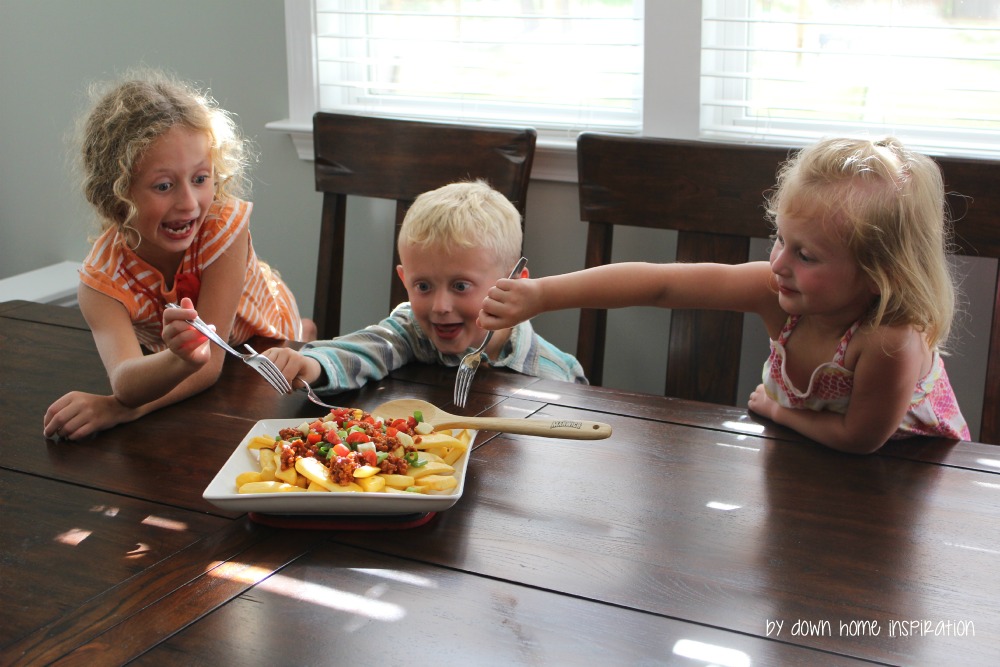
(555,159)
(672,96)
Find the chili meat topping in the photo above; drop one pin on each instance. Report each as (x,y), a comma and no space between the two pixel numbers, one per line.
(347,439)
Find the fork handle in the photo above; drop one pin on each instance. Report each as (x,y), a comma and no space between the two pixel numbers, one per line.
(206,330)
(521,263)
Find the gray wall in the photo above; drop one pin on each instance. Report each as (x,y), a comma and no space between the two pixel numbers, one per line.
(50,50)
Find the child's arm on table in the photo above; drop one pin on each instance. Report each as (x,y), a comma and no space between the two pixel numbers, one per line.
(890,363)
(142,383)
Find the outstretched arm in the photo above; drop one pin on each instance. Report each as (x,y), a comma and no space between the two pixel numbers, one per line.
(739,287)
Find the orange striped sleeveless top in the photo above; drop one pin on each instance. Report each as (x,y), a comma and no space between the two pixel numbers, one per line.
(267,307)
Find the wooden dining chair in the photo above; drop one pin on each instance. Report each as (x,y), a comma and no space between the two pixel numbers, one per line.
(973,188)
(398,160)
(711,194)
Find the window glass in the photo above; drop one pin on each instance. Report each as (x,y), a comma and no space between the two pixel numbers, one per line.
(788,71)
(563,65)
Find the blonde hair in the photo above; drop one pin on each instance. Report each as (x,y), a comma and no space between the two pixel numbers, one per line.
(132,113)
(890,205)
(464,215)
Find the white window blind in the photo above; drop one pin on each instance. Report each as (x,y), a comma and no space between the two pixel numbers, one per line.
(927,71)
(561,66)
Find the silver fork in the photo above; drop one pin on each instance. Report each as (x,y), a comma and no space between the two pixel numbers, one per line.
(255,360)
(313,397)
(470,362)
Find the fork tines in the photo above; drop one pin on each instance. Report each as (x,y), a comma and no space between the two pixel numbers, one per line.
(268,370)
(463,383)
(461,389)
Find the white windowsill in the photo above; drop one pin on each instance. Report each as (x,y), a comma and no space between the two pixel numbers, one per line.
(554,160)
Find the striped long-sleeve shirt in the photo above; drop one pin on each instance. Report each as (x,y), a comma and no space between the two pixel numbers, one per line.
(372,353)
(267,307)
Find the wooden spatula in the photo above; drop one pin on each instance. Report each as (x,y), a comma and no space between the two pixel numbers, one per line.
(548,428)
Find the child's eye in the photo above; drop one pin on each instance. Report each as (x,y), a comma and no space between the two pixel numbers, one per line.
(162,187)
(422,287)
(200,180)
(462,286)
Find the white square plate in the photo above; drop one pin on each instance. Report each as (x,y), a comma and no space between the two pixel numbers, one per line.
(222,493)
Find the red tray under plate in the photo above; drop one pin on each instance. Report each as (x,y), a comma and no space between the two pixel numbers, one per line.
(342,522)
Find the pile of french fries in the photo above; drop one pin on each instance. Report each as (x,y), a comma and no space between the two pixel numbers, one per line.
(439,451)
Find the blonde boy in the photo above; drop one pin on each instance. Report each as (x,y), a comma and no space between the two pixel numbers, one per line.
(454,244)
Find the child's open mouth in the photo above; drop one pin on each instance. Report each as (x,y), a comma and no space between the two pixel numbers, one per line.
(178,230)
(448,331)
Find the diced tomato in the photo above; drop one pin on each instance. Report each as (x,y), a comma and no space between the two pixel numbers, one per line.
(332,437)
(411,421)
(340,450)
(313,437)
(370,457)
(368,419)
(356,437)
(391,432)
(401,425)
(317,425)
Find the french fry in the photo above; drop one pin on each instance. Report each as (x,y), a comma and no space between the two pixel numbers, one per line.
(350,488)
(397,481)
(315,472)
(247,477)
(267,467)
(432,468)
(435,440)
(437,482)
(288,475)
(365,471)
(372,484)
(453,455)
(259,441)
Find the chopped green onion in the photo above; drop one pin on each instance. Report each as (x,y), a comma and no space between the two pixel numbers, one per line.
(381,456)
(418,415)
(413,458)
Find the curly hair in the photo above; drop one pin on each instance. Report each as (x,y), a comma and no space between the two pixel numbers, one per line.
(128,116)
(889,203)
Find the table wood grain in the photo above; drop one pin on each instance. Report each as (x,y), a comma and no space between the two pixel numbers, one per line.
(697,534)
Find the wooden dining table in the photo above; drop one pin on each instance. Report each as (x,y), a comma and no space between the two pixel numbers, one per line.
(697,534)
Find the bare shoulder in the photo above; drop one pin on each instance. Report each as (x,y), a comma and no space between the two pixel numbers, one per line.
(898,346)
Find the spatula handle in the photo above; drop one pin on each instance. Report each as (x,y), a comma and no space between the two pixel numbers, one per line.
(546,428)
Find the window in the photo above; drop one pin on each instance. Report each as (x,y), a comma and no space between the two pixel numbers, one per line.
(561,66)
(756,71)
(927,71)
